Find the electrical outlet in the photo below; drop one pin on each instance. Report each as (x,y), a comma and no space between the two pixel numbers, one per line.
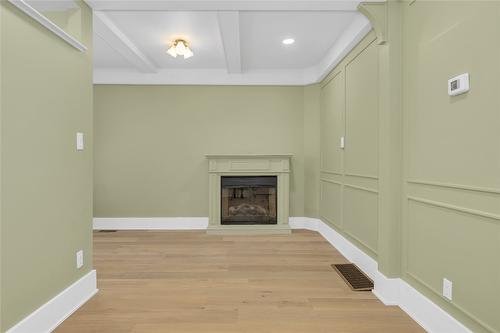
(79,259)
(447,289)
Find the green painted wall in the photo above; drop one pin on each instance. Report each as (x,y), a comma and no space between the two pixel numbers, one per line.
(311,150)
(452,157)
(426,164)
(151,143)
(1,173)
(46,188)
(349,176)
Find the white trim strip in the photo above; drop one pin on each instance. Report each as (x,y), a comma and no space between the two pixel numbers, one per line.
(151,223)
(50,315)
(40,18)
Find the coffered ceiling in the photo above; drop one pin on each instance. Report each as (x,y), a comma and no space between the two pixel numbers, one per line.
(234,42)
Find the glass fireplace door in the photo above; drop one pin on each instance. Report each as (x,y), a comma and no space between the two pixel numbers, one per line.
(248,200)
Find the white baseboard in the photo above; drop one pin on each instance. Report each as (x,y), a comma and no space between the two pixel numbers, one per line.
(150,223)
(50,315)
(390,291)
(426,313)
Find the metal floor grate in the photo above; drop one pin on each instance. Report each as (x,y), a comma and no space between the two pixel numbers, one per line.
(354,277)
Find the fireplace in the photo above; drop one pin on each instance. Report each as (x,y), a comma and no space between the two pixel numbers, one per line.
(247,200)
(248,194)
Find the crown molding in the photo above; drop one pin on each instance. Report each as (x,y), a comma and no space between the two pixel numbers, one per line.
(223,5)
(199,77)
(356,31)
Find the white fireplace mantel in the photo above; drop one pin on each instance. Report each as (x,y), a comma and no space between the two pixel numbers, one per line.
(248,165)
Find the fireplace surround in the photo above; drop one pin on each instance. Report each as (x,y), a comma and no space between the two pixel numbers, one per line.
(248,194)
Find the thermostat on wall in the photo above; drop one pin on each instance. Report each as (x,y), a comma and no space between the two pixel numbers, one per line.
(458,85)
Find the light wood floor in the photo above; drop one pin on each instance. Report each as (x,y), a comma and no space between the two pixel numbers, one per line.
(157,282)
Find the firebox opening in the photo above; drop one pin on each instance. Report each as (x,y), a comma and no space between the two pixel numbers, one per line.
(248,200)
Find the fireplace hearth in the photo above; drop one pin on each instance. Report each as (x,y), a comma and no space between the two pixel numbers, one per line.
(248,200)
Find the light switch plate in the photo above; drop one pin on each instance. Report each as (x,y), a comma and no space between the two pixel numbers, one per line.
(79,259)
(447,289)
(79,141)
(342,142)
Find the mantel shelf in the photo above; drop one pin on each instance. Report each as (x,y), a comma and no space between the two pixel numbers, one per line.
(210,156)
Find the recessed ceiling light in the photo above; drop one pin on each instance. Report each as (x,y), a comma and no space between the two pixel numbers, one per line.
(180,47)
(288,41)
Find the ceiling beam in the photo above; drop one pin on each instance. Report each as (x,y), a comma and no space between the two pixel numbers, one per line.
(229,27)
(111,34)
(227,5)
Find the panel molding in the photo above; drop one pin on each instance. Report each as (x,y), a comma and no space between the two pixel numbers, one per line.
(330,77)
(351,36)
(331,181)
(407,272)
(322,187)
(357,54)
(332,172)
(357,239)
(361,188)
(330,221)
(440,204)
(361,175)
(356,51)
(455,186)
(345,230)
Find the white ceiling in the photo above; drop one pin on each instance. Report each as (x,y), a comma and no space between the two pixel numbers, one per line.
(234,42)
(314,33)
(152,32)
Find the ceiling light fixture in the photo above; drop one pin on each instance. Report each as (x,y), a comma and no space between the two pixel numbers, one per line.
(288,41)
(180,47)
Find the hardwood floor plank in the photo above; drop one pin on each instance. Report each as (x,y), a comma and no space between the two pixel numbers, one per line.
(188,281)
